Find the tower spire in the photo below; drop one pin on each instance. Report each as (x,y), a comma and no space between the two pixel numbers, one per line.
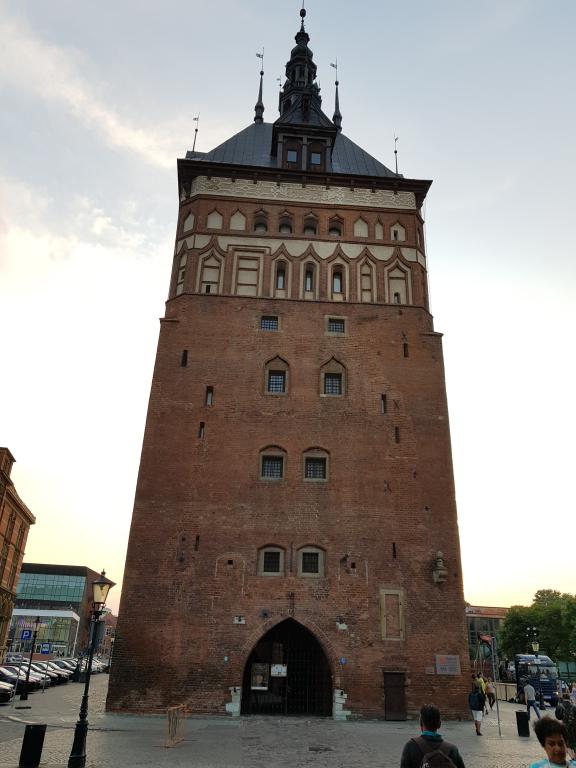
(337,118)
(259,108)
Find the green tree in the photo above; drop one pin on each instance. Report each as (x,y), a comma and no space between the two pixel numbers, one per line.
(551,619)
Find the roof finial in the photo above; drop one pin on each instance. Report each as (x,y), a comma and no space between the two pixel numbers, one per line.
(259,108)
(396,151)
(302,15)
(197,121)
(337,118)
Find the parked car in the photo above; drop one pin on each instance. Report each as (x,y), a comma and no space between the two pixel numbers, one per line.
(68,665)
(6,692)
(7,676)
(35,680)
(39,668)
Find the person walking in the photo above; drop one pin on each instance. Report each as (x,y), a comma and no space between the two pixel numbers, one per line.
(490,692)
(530,699)
(430,748)
(566,711)
(476,702)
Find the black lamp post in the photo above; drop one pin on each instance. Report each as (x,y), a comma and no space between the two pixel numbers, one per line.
(100,588)
(24,694)
(536,648)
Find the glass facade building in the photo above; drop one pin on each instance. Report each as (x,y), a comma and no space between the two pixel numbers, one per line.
(51,588)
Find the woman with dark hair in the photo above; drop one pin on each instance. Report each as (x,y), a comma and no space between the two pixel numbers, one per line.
(552,736)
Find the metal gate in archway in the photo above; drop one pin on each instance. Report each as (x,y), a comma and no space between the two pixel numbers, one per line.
(287,673)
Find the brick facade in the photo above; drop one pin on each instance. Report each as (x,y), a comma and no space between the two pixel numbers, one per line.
(15,522)
(387,596)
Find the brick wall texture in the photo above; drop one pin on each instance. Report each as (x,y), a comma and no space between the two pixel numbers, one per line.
(202,511)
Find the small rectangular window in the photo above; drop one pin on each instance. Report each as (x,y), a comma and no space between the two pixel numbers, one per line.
(269,323)
(383,404)
(201,430)
(276,381)
(397,434)
(209,396)
(184,358)
(310,562)
(336,325)
(406,350)
(292,156)
(273,467)
(315,158)
(332,383)
(315,468)
(271,562)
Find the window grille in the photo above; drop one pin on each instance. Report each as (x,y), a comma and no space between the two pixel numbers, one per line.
(336,325)
(332,383)
(310,562)
(271,562)
(269,323)
(276,381)
(315,468)
(273,467)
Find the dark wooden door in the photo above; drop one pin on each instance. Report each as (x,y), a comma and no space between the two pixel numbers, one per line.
(394,696)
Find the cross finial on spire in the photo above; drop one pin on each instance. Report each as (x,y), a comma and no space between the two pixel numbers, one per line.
(259,108)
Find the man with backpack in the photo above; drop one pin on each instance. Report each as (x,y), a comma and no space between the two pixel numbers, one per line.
(430,750)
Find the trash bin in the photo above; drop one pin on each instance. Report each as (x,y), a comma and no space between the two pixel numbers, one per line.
(522,722)
(32,744)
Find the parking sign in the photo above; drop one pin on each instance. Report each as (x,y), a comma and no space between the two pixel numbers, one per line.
(26,634)
(45,647)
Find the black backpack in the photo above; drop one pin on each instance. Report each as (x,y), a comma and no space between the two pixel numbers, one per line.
(435,757)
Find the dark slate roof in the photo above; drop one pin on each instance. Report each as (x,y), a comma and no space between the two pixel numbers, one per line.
(252,147)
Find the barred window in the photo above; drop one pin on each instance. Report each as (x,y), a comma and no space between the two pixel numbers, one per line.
(269,323)
(273,467)
(315,468)
(276,381)
(310,562)
(271,561)
(332,383)
(336,325)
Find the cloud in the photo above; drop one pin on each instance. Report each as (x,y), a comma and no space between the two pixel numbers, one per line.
(52,73)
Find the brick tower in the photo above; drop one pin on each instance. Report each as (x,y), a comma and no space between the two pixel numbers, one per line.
(294,542)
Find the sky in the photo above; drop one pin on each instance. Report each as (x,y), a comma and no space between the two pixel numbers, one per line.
(97,102)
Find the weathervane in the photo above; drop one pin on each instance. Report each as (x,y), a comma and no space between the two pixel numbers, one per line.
(335,66)
(197,121)
(396,151)
(261,57)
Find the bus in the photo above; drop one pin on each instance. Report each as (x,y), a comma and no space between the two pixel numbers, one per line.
(541,672)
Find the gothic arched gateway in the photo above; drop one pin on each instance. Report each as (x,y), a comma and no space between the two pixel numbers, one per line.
(287,673)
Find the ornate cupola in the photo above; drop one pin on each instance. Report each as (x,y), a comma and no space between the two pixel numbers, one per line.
(303,136)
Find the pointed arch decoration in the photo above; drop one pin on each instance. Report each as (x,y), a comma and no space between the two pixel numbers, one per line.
(398,283)
(210,273)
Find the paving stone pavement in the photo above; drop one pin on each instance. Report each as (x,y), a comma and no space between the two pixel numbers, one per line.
(246,742)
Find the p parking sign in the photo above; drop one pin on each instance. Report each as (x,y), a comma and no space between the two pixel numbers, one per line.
(26,634)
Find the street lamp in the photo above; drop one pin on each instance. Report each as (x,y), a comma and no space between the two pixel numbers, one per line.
(24,694)
(100,589)
(536,648)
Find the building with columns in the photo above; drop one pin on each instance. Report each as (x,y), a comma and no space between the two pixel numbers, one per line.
(15,522)
(294,544)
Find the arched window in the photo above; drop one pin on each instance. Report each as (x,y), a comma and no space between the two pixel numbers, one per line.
(367,282)
(337,280)
(398,232)
(311,562)
(398,287)
(315,464)
(310,225)
(181,275)
(281,276)
(276,376)
(210,274)
(272,463)
(309,278)
(335,228)
(260,222)
(271,561)
(332,379)
(285,225)
(188,225)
